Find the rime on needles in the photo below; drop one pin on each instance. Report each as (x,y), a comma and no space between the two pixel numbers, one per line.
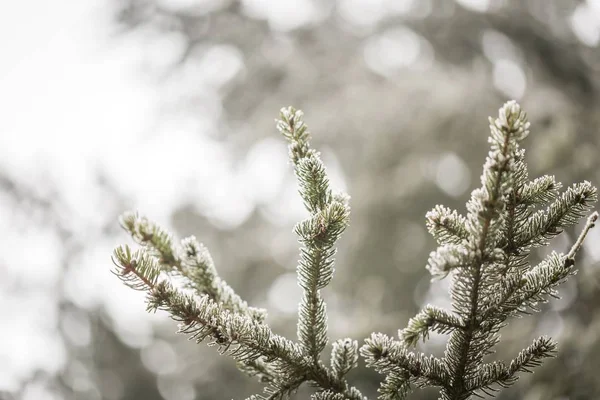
(485,253)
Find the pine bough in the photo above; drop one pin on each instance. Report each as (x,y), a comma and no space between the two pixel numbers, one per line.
(485,252)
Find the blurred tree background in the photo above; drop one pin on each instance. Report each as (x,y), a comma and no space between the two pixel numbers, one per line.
(397,95)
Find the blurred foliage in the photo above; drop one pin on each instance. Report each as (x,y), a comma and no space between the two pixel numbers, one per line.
(398,93)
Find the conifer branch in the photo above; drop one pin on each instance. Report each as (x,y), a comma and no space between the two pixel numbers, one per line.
(201,317)
(447,258)
(497,373)
(388,356)
(344,357)
(396,386)
(157,241)
(196,264)
(258,368)
(353,393)
(532,289)
(568,210)
(485,221)
(244,339)
(136,269)
(536,285)
(430,319)
(532,356)
(327,395)
(328,219)
(213,311)
(488,375)
(191,260)
(541,190)
(486,253)
(447,226)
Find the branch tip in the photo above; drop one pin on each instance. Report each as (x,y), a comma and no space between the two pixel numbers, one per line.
(590,223)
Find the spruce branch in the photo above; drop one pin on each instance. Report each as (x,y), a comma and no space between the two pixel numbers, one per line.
(282,391)
(202,317)
(396,386)
(533,288)
(537,284)
(344,357)
(464,353)
(196,264)
(497,373)
(447,258)
(532,356)
(327,221)
(447,226)
(353,393)
(569,208)
(488,375)
(138,270)
(388,356)
(327,395)
(155,239)
(486,253)
(430,319)
(258,368)
(248,341)
(190,259)
(541,190)
(208,309)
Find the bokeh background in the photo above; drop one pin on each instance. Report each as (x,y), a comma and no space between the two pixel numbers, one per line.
(167,107)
